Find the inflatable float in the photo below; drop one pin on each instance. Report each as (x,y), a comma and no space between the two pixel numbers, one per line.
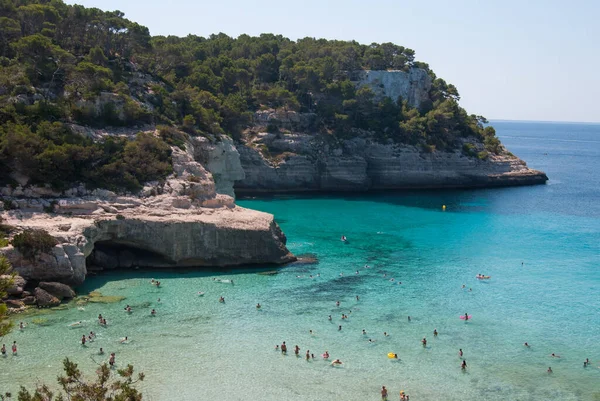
(391,355)
(466,318)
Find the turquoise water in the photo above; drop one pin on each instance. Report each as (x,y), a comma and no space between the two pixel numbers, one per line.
(541,245)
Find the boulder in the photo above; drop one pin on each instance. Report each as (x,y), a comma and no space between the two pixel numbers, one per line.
(29,300)
(59,290)
(17,285)
(44,299)
(14,303)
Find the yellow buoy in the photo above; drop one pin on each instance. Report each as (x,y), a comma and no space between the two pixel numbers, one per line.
(444,207)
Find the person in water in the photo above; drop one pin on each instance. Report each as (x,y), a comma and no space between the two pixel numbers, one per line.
(258,306)
(340,327)
(111,360)
(14,348)
(83,339)
(153,312)
(337,303)
(329,318)
(222,300)
(336,362)
(326,355)
(21,326)
(3,350)
(553,355)
(101,352)
(384,393)
(409,318)
(307,355)
(460,352)
(466,316)
(549,369)
(424,342)
(527,345)
(385,334)
(296,350)
(124,340)
(364,332)
(128,309)
(435,333)
(283,348)
(463,365)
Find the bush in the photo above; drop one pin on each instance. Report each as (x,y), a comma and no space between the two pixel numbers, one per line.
(483,155)
(194,178)
(120,217)
(172,136)
(32,242)
(469,149)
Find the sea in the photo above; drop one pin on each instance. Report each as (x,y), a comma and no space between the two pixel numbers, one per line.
(405,256)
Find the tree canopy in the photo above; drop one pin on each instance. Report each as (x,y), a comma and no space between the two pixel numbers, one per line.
(66,64)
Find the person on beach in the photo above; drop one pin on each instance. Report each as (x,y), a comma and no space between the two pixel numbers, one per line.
(424,342)
(153,312)
(384,393)
(14,348)
(463,365)
(111,360)
(435,333)
(3,350)
(83,339)
(283,348)
(101,352)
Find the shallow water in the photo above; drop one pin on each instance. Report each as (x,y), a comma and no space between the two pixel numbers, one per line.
(541,245)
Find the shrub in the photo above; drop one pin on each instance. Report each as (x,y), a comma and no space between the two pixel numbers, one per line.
(469,149)
(483,155)
(32,242)
(172,136)
(194,178)
(4,242)
(120,217)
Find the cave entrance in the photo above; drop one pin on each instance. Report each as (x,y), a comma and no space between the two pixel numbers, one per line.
(117,254)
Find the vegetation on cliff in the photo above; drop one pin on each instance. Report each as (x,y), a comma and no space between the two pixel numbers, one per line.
(63,65)
(6,279)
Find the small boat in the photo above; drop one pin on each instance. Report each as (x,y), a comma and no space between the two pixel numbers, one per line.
(200,293)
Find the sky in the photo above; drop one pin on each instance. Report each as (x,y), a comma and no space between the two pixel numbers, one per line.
(510,59)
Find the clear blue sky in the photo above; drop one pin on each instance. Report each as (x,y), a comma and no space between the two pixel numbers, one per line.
(509,59)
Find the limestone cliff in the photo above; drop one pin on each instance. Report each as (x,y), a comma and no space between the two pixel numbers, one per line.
(185,221)
(300,161)
(412,86)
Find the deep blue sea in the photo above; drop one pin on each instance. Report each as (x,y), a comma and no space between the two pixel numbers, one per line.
(539,244)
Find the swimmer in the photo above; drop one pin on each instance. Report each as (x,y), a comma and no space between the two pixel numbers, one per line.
(158,300)
(283,348)
(258,306)
(83,339)
(3,350)
(101,352)
(76,324)
(367,266)
(21,326)
(312,356)
(337,303)
(460,353)
(371,341)
(466,316)
(276,347)
(364,332)
(296,350)
(395,356)
(340,327)
(470,289)
(424,342)
(153,312)
(435,333)
(124,340)
(527,345)
(392,279)
(385,334)
(111,360)
(326,355)
(357,298)
(341,274)
(222,300)
(553,355)
(157,284)
(549,369)
(463,365)
(409,318)
(586,363)
(356,272)
(384,393)
(310,332)
(128,309)
(307,355)
(329,318)
(463,286)
(310,276)
(100,317)
(104,322)
(92,334)
(336,362)
(14,348)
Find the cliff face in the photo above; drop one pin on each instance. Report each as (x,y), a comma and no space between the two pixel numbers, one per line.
(185,221)
(412,86)
(311,163)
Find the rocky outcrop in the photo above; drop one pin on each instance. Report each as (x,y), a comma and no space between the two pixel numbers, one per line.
(45,299)
(305,162)
(59,290)
(412,86)
(17,285)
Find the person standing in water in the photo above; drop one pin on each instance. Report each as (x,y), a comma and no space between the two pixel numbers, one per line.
(3,350)
(463,365)
(101,352)
(111,360)
(384,393)
(424,342)
(83,339)
(460,353)
(466,316)
(296,350)
(153,312)
(283,348)
(307,355)
(14,348)
(435,333)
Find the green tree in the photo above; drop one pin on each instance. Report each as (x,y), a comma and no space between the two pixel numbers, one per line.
(6,280)
(107,386)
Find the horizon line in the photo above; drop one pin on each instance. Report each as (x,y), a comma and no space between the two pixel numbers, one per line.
(542,121)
